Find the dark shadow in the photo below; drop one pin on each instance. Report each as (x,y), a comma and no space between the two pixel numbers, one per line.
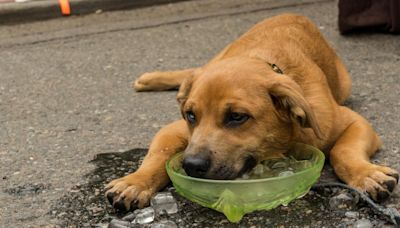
(85,205)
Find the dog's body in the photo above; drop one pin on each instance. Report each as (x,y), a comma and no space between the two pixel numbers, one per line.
(278,84)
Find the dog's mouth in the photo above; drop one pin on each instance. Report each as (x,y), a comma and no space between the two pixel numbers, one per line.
(202,165)
(229,173)
(249,164)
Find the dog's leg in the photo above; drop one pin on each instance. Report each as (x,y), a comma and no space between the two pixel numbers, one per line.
(350,158)
(157,81)
(135,190)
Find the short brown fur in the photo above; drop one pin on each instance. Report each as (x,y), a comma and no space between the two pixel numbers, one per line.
(304,104)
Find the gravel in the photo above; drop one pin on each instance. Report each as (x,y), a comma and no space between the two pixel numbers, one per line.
(342,201)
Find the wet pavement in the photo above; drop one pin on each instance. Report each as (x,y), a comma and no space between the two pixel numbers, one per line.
(85,205)
(70,120)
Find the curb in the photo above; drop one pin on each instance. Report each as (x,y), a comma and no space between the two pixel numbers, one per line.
(14,13)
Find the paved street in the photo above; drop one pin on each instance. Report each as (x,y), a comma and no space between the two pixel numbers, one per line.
(66,97)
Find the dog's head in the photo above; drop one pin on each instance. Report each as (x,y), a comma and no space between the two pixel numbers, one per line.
(239,111)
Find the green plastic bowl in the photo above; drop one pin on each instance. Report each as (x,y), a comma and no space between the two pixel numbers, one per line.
(235,198)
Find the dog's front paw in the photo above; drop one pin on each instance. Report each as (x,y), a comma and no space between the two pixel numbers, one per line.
(132,191)
(378,181)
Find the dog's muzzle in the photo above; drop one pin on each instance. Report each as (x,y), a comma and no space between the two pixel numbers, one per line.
(196,165)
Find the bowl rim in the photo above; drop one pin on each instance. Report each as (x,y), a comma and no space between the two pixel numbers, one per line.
(320,157)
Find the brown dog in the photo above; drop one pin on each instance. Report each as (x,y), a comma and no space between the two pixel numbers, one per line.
(278,84)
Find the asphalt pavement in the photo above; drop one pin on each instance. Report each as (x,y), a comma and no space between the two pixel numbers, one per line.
(66,99)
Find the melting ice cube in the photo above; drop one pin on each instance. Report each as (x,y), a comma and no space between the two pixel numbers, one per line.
(145,215)
(164,202)
(164,224)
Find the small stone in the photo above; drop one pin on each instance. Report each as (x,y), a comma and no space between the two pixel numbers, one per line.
(363,223)
(95,209)
(144,216)
(164,201)
(342,201)
(164,224)
(351,214)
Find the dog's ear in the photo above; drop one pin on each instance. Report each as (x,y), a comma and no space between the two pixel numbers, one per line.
(289,101)
(184,90)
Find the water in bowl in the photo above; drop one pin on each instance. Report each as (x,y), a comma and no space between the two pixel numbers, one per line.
(278,167)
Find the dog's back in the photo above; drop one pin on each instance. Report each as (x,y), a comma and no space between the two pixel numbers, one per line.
(292,38)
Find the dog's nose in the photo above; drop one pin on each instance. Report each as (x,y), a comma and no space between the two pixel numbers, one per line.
(196,165)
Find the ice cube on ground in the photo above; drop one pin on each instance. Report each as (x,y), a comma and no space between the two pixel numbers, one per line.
(145,215)
(116,223)
(129,217)
(164,224)
(363,223)
(164,202)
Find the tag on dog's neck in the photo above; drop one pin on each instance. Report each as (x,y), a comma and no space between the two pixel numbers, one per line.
(275,68)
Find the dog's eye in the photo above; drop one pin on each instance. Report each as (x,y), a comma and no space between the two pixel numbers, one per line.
(190,117)
(234,119)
